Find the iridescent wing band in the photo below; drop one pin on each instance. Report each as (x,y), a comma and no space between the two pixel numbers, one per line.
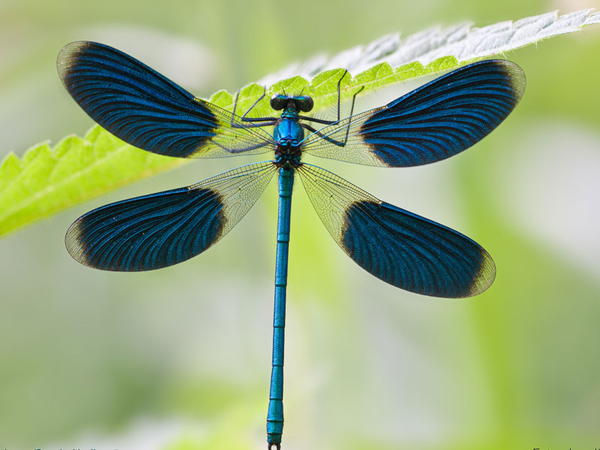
(147,110)
(431,123)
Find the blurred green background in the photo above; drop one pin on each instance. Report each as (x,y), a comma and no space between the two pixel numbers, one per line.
(180,358)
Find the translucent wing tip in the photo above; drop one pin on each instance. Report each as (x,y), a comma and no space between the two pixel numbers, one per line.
(484,277)
(515,74)
(68,55)
(75,243)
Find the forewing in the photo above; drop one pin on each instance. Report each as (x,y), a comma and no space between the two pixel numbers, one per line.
(431,123)
(159,230)
(147,110)
(398,247)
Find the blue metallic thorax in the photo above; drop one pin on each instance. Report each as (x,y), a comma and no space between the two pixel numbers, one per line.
(288,135)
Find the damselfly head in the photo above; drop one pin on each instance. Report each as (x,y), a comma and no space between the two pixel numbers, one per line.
(302,103)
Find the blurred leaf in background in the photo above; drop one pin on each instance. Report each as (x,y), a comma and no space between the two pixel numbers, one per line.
(179,358)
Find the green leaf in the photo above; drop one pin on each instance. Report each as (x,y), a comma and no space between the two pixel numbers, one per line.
(47,180)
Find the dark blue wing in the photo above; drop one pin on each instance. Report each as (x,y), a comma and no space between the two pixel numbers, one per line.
(166,228)
(398,247)
(147,110)
(431,123)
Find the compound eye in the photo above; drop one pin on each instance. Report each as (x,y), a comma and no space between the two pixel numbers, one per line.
(278,102)
(305,103)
